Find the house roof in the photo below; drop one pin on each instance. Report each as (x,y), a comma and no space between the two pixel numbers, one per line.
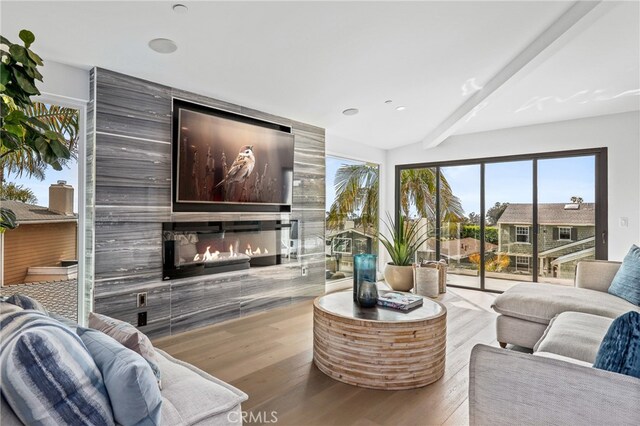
(31,213)
(550,214)
(460,248)
(333,234)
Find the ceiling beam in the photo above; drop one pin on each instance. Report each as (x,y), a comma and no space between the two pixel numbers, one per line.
(476,101)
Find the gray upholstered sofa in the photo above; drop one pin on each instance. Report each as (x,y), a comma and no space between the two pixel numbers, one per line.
(526,309)
(556,384)
(189,397)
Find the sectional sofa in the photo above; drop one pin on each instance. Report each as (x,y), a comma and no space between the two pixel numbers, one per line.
(556,384)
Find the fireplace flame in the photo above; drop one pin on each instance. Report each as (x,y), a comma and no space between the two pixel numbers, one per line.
(251,252)
(207,256)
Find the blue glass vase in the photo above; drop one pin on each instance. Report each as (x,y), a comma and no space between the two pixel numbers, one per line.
(364,269)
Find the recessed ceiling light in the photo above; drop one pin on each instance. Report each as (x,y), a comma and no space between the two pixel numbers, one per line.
(401,108)
(350,111)
(180,9)
(163,45)
(388,101)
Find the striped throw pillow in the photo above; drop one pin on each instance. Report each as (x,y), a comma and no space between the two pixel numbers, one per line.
(48,376)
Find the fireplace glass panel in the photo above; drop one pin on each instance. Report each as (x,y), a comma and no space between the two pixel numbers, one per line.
(213,247)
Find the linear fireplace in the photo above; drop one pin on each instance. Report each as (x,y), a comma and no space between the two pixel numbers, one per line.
(199,248)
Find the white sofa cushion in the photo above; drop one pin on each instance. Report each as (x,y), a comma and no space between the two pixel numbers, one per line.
(563,358)
(199,398)
(574,335)
(541,302)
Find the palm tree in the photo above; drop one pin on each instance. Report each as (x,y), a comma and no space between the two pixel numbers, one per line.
(11,191)
(357,191)
(418,190)
(55,118)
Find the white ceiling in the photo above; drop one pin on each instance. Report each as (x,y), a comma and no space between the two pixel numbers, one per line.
(310,60)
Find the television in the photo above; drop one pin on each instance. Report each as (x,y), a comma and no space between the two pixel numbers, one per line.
(223,161)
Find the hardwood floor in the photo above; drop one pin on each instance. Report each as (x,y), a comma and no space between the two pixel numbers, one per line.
(269,356)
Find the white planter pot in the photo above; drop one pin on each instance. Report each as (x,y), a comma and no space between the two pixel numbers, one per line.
(399,278)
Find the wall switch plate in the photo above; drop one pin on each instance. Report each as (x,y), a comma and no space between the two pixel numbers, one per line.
(142,300)
(142,319)
(624,222)
(305,271)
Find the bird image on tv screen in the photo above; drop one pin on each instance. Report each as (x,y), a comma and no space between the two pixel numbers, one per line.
(222,160)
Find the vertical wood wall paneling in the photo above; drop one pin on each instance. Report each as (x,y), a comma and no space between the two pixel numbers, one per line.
(132,134)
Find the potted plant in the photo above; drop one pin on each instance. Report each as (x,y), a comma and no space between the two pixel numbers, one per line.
(405,239)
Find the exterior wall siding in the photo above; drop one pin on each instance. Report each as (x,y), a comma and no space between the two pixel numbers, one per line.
(545,240)
(37,245)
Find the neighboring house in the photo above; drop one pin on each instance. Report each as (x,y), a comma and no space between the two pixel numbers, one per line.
(567,235)
(45,237)
(344,244)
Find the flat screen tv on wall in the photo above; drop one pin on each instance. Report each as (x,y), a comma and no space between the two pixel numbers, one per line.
(224,161)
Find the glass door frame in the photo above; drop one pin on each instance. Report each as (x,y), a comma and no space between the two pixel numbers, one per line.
(601,199)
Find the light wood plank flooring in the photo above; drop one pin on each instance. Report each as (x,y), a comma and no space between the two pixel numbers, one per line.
(269,356)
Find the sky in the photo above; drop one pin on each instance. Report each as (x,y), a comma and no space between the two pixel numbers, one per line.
(508,182)
(558,180)
(68,173)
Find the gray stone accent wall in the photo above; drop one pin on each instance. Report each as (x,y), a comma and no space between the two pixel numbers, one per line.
(131,128)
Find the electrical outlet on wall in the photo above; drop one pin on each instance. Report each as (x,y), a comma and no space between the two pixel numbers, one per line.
(142,319)
(142,300)
(305,271)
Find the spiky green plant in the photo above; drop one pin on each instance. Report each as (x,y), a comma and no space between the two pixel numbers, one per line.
(404,239)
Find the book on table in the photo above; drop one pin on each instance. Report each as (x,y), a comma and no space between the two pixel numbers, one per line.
(398,300)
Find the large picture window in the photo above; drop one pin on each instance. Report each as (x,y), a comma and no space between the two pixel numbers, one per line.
(497,221)
(351,214)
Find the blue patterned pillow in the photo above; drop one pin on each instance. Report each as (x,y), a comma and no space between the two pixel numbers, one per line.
(48,377)
(626,283)
(130,382)
(26,302)
(620,349)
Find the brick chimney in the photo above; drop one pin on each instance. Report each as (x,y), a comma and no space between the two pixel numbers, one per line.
(61,198)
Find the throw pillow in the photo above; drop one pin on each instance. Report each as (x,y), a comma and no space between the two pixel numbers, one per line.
(129,336)
(620,349)
(48,377)
(131,385)
(626,283)
(8,308)
(26,302)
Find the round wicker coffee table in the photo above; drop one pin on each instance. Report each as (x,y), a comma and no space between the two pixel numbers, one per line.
(379,348)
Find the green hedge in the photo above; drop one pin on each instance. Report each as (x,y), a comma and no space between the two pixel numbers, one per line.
(473,231)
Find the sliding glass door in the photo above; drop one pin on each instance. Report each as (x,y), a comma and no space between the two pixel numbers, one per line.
(459,224)
(508,232)
(499,221)
(566,216)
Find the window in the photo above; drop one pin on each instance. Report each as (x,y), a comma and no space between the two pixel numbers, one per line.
(564,233)
(351,213)
(522,234)
(517,195)
(342,245)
